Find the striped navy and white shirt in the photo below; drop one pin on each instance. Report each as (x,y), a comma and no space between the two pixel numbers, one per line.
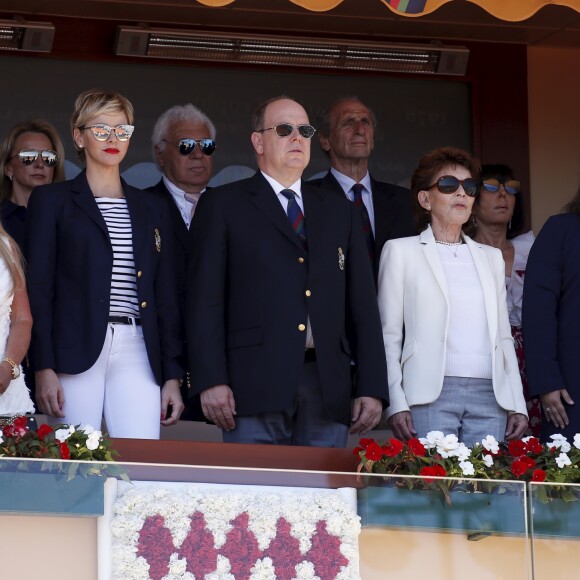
(124,300)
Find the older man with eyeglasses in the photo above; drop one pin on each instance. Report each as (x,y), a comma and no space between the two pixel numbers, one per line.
(183,142)
(277,269)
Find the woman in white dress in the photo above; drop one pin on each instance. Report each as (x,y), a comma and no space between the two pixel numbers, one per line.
(15,326)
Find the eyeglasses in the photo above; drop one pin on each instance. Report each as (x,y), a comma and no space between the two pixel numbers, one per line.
(29,156)
(512,186)
(285,130)
(102,131)
(450,184)
(186,146)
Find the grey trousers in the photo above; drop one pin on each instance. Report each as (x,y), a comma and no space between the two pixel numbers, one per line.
(466,407)
(305,423)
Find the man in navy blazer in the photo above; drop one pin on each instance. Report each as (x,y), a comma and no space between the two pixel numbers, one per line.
(183,142)
(268,305)
(346,133)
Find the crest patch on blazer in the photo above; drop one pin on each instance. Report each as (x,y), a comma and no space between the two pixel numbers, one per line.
(340,258)
(157,240)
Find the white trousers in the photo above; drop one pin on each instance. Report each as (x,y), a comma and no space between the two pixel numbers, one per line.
(120,387)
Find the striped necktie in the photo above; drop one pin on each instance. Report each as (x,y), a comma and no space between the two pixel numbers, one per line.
(357,189)
(295,214)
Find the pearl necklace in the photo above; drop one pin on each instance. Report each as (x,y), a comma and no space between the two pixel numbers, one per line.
(453,246)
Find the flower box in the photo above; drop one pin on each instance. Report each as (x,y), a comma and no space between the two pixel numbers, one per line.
(51,494)
(473,513)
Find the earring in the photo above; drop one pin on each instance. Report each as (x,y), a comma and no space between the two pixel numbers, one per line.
(509,225)
(10,177)
(474,221)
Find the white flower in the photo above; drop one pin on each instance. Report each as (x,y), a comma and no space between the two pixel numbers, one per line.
(577,440)
(488,460)
(560,442)
(432,440)
(93,440)
(467,467)
(61,435)
(562,460)
(88,429)
(491,444)
(462,452)
(447,446)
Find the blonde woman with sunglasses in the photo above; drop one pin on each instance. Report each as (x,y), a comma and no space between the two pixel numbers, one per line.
(450,354)
(31,154)
(106,341)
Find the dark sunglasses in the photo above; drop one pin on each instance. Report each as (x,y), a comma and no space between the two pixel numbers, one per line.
(102,131)
(512,186)
(29,156)
(186,146)
(450,184)
(285,130)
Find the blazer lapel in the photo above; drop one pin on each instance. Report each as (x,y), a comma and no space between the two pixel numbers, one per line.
(484,272)
(427,240)
(266,201)
(83,197)
(142,232)
(179,226)
(314,213)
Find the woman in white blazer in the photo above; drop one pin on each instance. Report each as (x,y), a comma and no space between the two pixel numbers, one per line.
(450,355)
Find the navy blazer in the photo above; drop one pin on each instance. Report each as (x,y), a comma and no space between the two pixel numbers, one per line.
(392,207)
(180,236)
(551,315)
(252,287)
(70,262)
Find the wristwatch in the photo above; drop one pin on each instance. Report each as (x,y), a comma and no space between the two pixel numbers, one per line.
(15,367)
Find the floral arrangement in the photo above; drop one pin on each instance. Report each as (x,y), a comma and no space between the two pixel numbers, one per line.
(60,442)
(194,531)
(440,456)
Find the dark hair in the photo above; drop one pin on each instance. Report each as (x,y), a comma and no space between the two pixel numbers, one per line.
(500,171)
(573,206)
(429,166)
(260,111)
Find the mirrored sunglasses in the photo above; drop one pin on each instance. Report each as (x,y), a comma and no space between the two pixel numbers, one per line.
(512,186)
(29,156)
(186,146)
(450,184)
(285,130)
(102,131)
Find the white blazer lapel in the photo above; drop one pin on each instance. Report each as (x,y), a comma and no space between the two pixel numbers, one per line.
(484,271)
(427,240)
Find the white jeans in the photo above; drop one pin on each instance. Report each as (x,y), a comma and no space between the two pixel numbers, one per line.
(120,387)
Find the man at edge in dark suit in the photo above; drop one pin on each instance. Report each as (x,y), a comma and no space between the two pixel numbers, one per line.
(277,271)
(346,133)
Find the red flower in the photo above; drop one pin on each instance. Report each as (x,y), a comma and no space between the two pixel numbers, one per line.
(43,431)
(539,475)
(356,451)
(20,423)
(516,447)
(417,448)
(436,470)
(528,461)
(534,446)
(64,451)
(393,448)
(518,467)
(374,451)
(365,442)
